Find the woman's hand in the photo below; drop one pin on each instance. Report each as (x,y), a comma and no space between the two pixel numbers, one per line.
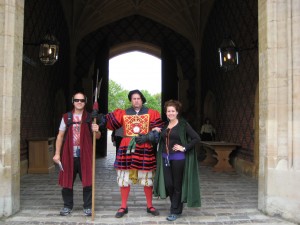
(178,147)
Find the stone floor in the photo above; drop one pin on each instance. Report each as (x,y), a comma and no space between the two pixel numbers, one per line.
(227,198)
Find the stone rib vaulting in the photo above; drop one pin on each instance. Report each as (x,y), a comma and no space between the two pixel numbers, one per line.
(256,105)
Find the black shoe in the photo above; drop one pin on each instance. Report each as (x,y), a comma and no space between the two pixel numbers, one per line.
(87,212)
(153,211)
(121,212)
(65,211)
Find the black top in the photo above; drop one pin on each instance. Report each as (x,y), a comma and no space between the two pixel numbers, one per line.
(174,137)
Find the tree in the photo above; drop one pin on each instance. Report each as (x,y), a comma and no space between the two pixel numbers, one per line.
(118,98)
(153,101)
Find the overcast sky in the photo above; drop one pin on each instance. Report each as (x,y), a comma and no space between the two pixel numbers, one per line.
(136,70)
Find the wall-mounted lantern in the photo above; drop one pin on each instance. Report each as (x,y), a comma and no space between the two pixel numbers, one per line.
(229,55)
(49,49)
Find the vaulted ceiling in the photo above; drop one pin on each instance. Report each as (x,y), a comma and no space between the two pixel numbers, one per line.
(186,17)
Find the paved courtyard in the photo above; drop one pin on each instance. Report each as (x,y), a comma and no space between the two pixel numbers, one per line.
(227,198)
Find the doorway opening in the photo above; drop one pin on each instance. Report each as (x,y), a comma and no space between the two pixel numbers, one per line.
(129,71)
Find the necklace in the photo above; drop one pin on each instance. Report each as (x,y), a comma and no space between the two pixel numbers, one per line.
(172,123)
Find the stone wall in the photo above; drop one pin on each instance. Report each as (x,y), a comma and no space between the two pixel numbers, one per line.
(11,41)
(279,108)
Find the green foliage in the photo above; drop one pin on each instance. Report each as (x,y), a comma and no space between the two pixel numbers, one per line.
(118,98)
(153,101)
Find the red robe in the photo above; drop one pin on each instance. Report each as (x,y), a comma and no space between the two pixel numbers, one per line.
(86,154)
(143,157)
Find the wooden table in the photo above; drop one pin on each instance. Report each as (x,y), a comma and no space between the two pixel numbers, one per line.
(41,152)
(221,151)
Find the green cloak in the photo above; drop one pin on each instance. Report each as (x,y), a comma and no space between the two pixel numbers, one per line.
(190,185)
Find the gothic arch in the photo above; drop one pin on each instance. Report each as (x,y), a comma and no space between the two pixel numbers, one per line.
(135,46)
(135,30)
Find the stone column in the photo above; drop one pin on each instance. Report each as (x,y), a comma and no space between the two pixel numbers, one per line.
(279,107)
(11,48)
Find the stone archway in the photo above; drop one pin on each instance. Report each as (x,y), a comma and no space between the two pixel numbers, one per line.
(135,46)
(278,107)
(149,40)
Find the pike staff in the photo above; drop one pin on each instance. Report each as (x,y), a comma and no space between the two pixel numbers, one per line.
(95,112)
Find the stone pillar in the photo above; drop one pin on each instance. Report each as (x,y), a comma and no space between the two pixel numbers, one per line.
(11,48)
(279,108)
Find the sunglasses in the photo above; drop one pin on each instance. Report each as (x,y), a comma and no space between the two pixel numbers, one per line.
(79,100)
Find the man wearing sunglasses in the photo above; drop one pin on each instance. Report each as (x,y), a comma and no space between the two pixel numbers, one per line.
(74,152)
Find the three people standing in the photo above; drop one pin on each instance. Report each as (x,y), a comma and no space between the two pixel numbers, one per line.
(136,160)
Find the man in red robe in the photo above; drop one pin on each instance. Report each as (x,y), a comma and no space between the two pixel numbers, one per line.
(135,161)
(74,152)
